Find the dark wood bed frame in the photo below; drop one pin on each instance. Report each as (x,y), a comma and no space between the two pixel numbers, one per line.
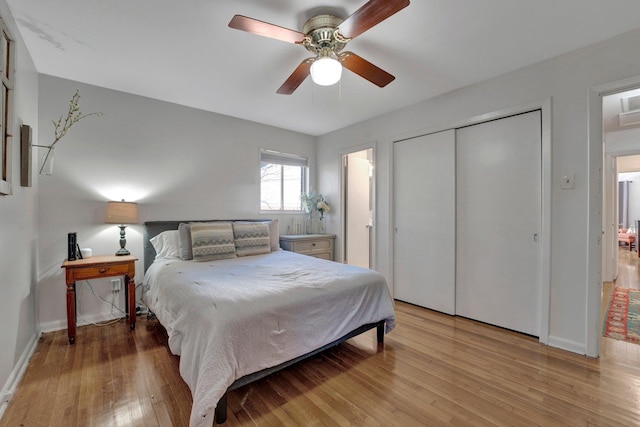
(153,228)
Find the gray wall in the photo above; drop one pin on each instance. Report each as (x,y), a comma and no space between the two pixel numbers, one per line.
(634,201)
(179,162)
(565,80)
(18,232)
(176,162)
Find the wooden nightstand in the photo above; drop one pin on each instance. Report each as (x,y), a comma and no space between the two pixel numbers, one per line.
(315,245)
(97,267)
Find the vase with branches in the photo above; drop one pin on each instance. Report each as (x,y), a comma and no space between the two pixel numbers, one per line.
(60,129)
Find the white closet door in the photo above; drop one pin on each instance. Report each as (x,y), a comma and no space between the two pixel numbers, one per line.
(424,215)
(499,257)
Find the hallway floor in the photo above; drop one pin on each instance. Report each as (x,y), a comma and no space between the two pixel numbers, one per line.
(628,277)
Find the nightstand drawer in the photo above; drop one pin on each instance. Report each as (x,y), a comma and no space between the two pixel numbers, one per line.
(97,267)
(323,255)
(100,271)
(316,245)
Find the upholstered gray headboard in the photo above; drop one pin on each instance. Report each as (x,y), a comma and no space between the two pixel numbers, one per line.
(153,228)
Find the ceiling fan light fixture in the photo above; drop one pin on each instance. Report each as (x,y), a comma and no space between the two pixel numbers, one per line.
(326,71)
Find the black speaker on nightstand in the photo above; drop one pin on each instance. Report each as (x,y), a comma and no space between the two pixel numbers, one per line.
(71,246)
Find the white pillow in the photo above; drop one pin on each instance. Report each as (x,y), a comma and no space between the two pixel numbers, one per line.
(167,244)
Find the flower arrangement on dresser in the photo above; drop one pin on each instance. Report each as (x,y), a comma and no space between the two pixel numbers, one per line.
(322,208)
(314,202)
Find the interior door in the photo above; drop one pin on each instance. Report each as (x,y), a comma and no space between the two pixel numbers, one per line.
(358,209)
(424,216)
(498,255)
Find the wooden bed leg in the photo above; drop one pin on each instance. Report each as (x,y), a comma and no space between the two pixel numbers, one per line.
(380,330)
(221,410)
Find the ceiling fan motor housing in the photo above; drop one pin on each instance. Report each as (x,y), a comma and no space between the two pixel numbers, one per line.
(321,34)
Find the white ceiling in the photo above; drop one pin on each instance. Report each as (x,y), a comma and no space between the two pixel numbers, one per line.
(184,52)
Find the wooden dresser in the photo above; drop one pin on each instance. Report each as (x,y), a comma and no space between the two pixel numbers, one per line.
(315,245)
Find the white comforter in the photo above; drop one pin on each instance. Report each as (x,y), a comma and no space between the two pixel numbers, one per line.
(229,318)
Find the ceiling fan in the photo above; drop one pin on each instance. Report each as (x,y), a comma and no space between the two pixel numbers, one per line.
(326,36)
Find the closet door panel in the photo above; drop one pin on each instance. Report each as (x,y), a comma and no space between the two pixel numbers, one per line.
(424,219)
(498,255)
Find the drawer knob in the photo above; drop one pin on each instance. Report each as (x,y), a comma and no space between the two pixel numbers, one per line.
(103,270)
(313,244)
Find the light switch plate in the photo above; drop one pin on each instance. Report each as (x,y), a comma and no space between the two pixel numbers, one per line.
(568,181)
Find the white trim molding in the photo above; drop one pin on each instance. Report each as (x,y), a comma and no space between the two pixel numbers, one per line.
(18,371)
(593,283)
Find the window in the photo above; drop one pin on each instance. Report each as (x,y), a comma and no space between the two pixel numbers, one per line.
(7,56)
(283,177)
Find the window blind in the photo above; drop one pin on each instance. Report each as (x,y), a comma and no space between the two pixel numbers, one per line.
(273,157)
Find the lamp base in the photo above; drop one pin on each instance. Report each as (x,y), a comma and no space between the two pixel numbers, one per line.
(123,242)
(122,251)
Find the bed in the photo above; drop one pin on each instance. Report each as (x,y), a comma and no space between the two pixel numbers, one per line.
(236,319)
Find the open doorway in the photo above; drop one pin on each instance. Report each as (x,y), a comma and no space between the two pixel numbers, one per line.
(357,196)
(621,204)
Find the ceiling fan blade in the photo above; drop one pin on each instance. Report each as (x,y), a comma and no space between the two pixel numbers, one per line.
(365,69)
(265,29)
(372,13)
(296,78)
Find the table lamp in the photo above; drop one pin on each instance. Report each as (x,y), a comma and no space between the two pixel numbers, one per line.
(121,213)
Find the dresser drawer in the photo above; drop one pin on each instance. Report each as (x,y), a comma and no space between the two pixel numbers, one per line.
(323,255)
(315,245)
(99,271)
(308,246)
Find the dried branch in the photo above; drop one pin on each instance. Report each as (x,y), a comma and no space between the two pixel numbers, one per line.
(74,115)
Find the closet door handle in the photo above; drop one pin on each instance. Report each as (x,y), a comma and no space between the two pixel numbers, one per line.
(535,237)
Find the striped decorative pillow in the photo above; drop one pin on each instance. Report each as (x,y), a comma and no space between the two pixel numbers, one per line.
(212,241)
(252,238)
(274,231)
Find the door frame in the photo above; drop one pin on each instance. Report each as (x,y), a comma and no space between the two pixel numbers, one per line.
(374,205)
(545,107)
(595,224)
(609,217)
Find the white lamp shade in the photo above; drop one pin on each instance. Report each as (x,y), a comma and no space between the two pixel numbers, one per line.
(121,213)
(326,71)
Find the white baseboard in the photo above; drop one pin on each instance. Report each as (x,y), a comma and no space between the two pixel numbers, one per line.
(18,371)
(56,325)
(563,344)
(82,320)
(95,318)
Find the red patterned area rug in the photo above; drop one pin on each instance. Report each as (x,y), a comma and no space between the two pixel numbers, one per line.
(622,320)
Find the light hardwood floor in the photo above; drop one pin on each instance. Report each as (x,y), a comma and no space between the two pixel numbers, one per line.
(433,370)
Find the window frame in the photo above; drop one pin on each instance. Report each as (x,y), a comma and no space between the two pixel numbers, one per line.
(283,159)
(7,70)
